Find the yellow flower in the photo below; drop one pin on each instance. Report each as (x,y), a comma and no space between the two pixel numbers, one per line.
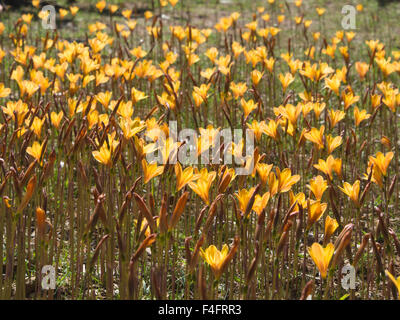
(62,13)
(289,112)
(362,69)
(56,118)
(318,108)
(173,2)
(330,226)
(332,143)
(257,128)
(271,130)
(28,87)
(137,96)
(104,98)
(352,191)
(333,84)
(4,92)
(218,260)
(331,164)
(321,256)
(320,11)
(202,90)
(74,10)
(101,5)
(282,182)
(318,185)
(395,281)
(316,136)
(360,116)
(317,209)
(36,126)
(103,155)
(260,202)
(256,76)
(286,80)
(349,99)
(244,197)
(203,184)
(335,116)
(330,50)
(130,127)
(148,15)
(184,177)
(113,8)
(238,89)
(381,162)
(248,106)
(36,150)
(151,170)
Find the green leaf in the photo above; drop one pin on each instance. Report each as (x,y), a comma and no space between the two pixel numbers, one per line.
(345,296)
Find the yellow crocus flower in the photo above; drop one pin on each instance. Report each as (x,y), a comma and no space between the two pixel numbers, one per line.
(321,256)
(381,162)
(317,186)
(151,171)
(218,260)
(184,177)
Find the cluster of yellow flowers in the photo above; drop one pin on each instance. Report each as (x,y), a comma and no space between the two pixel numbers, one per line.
(77,99)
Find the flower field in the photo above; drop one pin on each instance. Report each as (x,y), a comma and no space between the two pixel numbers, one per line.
(95,178)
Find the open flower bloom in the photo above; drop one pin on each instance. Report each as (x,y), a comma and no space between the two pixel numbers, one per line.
(300,198)
(238,89)
(329,166)
(352,191)
(248,106)
(263,171)
(332,143)
(218,260)
(282,182)
(4,92)
(260,202)
(395,281)
(244,197)
(330,227)
(333,84)
(104,154)
(335,116)
(381,162)
(317,186)
(184,177)
(257,128)
(316,136)
(203,184)
(286,80)
(322,256)
(360,116)
(271,130)
(316,210)
(151,170)
(36,150)
(362,69)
